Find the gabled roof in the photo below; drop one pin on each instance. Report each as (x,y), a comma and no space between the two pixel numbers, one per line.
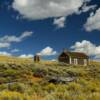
(76,54)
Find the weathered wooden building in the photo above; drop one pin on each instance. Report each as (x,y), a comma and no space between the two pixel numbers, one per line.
(75,58)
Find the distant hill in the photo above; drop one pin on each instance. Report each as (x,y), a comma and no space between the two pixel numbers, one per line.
(12,59)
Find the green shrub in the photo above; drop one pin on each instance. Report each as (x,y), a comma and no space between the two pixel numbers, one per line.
(50,87)
(8,95)
(18,87)
(3,87)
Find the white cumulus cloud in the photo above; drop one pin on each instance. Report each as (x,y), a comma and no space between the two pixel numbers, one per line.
(60,22)
(53,60)
(4,45)
(87,47)
(48,51)
(41,9)
(26,56)
(5,53)
(93,22)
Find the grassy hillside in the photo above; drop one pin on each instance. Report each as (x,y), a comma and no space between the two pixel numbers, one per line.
(11,59)
(22,79)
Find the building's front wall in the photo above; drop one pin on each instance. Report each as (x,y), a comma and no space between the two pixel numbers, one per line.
(64,58)
(77,61)
(70,60)
(86,62)
(81,61)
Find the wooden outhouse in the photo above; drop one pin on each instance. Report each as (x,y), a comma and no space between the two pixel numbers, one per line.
(36,58)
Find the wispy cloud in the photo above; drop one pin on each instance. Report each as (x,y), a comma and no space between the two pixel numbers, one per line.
(15,50)
(9,39)
(86,8)
(26,56)
(60,22)
(6,41)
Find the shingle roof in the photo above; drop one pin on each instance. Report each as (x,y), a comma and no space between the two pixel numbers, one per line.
(76,54)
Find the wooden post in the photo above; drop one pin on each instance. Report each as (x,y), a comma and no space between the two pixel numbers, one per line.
(88,61)
(85,62)
(76,61)
(70,60)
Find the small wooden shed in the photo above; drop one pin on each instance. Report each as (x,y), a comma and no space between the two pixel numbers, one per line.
(36,58)
(75,58)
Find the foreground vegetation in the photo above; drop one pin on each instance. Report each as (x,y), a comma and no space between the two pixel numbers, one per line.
(49,81)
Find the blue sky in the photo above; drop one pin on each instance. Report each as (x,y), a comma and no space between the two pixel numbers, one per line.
(46,27)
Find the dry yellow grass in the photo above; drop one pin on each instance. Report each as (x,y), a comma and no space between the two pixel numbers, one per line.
(95,62)
(36,79)
(84,87)
(12,59)
(48,62)
(37,97)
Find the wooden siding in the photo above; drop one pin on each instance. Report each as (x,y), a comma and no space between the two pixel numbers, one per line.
(73,58)
(36,58)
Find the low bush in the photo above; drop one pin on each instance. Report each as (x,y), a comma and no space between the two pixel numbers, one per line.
(8,95)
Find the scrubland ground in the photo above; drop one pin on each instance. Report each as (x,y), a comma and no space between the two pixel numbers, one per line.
(25,80)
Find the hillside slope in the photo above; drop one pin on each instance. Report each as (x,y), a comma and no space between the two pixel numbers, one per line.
(49,81)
